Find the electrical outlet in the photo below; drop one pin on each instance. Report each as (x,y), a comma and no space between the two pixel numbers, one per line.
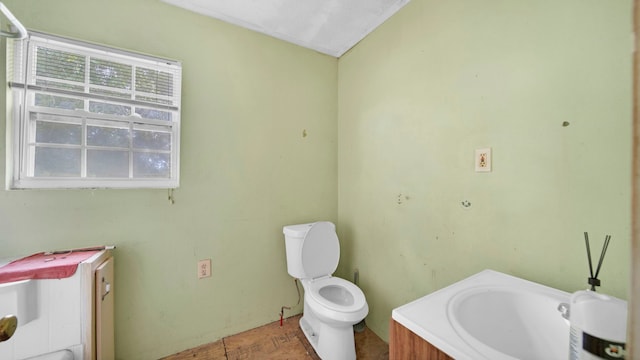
(483,160)
(204,268)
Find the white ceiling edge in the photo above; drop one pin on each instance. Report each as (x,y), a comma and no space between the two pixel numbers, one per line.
(374,24)
(332,32)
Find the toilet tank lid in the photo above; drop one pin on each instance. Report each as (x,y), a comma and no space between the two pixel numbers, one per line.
(299,230)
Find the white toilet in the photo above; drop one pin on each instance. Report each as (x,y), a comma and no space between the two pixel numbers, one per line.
(331,305)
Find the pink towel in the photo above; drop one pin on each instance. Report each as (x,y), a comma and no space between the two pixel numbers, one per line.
(42,266)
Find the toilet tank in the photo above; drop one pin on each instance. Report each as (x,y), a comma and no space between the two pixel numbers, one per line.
(293,237)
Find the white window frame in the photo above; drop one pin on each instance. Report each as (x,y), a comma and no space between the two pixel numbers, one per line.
(23,114)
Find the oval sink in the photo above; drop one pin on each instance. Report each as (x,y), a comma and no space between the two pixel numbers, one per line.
(506,323)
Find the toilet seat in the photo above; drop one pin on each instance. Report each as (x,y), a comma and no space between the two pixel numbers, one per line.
(335,286)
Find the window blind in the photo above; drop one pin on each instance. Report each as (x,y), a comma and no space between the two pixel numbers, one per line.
(94,116)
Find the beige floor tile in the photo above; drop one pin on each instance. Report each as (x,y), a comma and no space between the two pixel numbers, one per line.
(212,351)
(268,342)
(273,341)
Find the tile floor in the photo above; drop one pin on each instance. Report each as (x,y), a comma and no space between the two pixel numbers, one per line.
(272,341)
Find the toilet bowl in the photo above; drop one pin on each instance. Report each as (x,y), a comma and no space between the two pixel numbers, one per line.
(336,300)
(331,305)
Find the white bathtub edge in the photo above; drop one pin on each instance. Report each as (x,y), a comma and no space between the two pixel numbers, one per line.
(428,316)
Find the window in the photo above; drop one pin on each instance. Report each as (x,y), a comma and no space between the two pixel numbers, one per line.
(88,116)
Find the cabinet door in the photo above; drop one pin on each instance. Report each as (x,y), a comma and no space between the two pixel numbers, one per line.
(105,344)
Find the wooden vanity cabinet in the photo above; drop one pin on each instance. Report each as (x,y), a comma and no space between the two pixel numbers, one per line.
(404,345)
(73,313)
(97,274)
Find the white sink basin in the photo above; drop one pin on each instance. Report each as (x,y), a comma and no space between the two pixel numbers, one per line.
(519,323)
(491,316)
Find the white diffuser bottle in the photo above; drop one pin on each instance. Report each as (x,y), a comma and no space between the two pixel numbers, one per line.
(598,326)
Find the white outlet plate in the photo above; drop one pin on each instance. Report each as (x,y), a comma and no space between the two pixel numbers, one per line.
(483,160)
(204,268)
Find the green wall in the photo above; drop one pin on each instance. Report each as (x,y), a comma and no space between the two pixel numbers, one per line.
(442,78)
(246,170)
(391,131)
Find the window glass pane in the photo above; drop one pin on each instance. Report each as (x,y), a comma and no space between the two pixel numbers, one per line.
(154,81)
(59,64)
(94,116)
(110,73)
(58,102)
(59,85)
(117,94)
(107,136)
(58,133)
(154,114)
(102,163)
(57,162)
(152,140)
(151,165)
(111,109)
(155,100)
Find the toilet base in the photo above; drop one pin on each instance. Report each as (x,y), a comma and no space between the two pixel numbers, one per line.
(329,342)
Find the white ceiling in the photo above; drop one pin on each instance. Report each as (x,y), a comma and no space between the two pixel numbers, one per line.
(329,26)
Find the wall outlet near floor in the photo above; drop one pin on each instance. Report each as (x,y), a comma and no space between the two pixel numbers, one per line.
(204,268)
(483,160)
